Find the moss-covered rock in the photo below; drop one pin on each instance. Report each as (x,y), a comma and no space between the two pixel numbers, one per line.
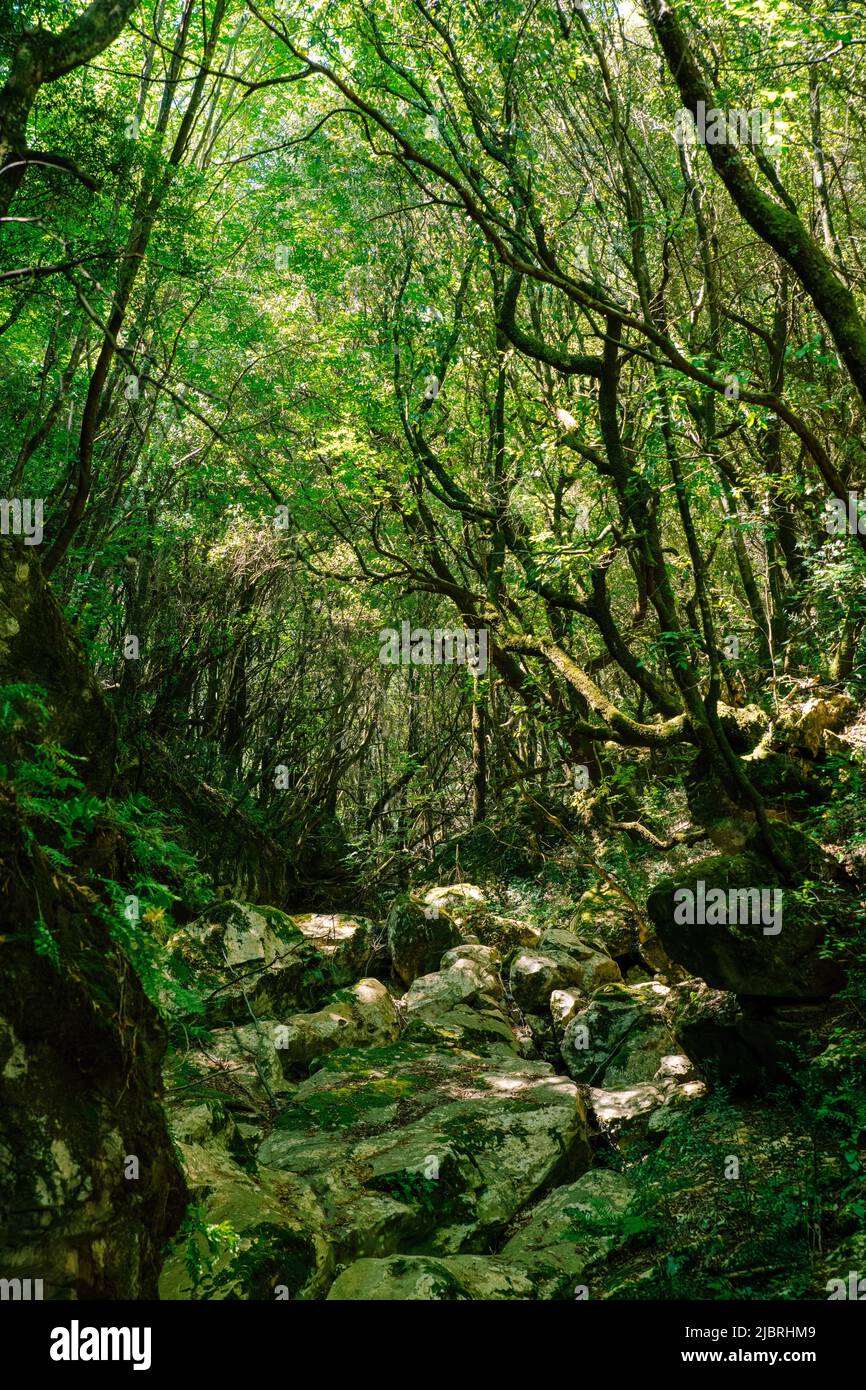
(267,1236)
(418,1151)
(90,1187)
(569,1230)
(605,917)
(462,1005)
(362,1016)
(730,920)
(419,934)
(239,1066)
(620,1037)
(412,1278)
(245,959)
(346,945)
(561,960)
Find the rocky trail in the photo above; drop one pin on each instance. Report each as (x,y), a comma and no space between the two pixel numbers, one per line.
(454,1104)
(432,659)
(468,1098)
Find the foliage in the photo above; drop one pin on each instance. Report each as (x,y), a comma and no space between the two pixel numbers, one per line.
(320,320)
(60,815)
(205,1245)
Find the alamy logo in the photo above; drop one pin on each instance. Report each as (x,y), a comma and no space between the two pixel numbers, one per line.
(76,1343)
(25,1289)
(717,127)
(846,516)
(22,517)
(736,906)
(854,1288)
(419,646)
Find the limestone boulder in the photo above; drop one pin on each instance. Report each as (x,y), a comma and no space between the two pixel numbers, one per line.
(238,1066)
(570,1229)
(246,960)
(415,1150)
(468,974)
(267,1236)
(419,934)
(363,1016)
(604,916)
(728,921)
(346,946)
(620,1037)
(560,961)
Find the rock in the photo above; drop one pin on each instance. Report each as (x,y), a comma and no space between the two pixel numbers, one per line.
(410,1278)
(206,1123)
(462,901)
(359,1091)
(481,964)
(240,1066)
(469,974)
(674,1071)
(620,1038)
(744,725)
(272,1243)
(630,1115)
(729,834)
(675,1097)
(625,1110)
(564,1004)
(419,934)
(560,961)
(475,919)
(90,1187)
(345,945)
(749,1046)
(431,995)
(569,1230)
(484,1031)
(485,1159)
(777,956)
(245,960)
(605,916)
(428,1151)
(462,1004)
(544,1043)
(363,1016)
(617,1111)
(506,933)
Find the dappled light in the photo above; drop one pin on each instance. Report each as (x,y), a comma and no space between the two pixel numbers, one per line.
(433,669)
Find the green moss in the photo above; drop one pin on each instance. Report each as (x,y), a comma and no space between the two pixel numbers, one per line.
(366,1061)
(345,1107)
